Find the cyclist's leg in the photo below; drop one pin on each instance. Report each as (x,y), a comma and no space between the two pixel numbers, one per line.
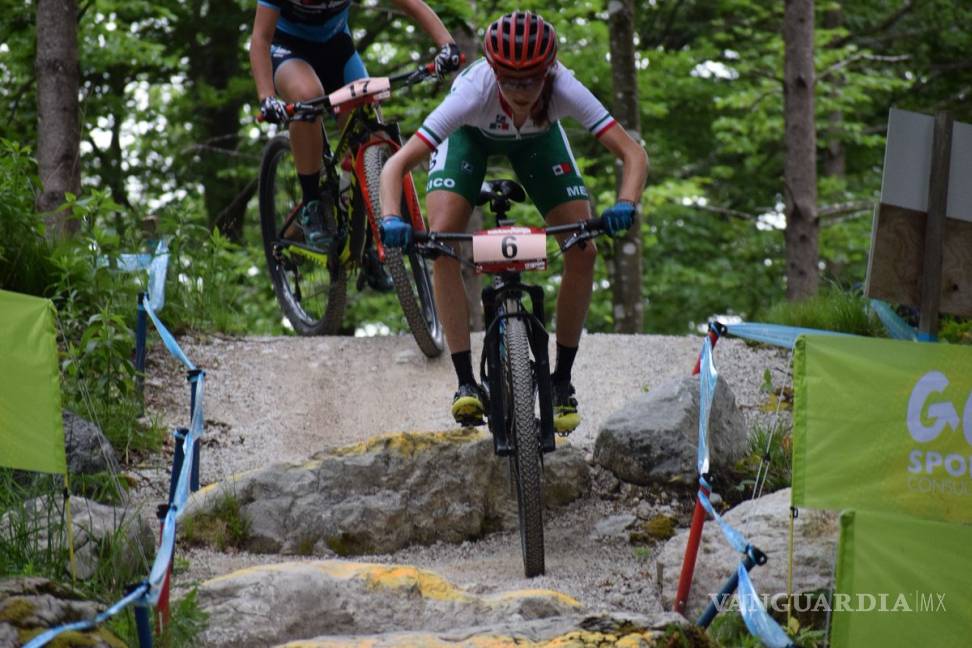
(296,80)
(549,173)
(455,176)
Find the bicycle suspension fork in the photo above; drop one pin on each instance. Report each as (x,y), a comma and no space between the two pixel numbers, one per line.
(491,365)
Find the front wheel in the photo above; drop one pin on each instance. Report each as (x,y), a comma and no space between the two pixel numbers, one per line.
(524,433)
(409,271)
(311,288)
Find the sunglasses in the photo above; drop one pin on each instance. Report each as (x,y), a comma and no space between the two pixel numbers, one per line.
(520,83)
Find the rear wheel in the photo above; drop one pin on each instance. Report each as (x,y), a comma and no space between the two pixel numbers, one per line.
(524,434)
(311,287)
(409,271)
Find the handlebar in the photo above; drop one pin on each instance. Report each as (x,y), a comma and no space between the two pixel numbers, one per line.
(433,243)
(319,105)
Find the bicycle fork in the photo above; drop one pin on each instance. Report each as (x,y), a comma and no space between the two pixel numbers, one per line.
(491,365)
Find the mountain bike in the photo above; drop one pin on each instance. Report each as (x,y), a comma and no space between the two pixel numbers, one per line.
(515,368)
(311,283)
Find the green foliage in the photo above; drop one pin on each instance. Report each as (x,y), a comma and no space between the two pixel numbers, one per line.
(24,252)
(956,330)
(224,527)
(833,309)
(770,449)
(24,550)
(188,621)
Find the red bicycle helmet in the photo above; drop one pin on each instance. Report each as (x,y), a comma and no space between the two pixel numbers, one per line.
(520,43)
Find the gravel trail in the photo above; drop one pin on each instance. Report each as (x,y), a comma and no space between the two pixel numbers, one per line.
(273,399)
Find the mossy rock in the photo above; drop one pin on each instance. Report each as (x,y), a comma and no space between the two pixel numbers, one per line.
(657,529)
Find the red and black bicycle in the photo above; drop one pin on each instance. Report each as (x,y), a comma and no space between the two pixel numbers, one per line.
(311,283)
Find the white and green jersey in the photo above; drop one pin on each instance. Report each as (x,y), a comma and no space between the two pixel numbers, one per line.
(475,101)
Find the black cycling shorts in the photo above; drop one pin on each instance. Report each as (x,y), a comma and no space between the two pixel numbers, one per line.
(335,62)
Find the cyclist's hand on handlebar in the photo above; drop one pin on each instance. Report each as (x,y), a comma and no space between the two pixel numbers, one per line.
(617,219)
(447,60)
(395,232)
(274,110)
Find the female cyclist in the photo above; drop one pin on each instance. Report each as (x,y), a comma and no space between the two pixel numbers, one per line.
(511,103)
(301,49)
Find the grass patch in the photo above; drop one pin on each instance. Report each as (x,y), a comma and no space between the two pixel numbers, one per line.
(832,309)
(774,444)
(224,527)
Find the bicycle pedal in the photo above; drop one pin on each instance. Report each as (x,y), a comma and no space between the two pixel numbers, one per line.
(471,421)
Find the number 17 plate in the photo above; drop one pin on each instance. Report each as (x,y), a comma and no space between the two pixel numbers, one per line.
(512,249)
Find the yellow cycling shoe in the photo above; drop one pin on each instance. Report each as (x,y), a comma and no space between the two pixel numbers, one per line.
(566,418)
(467,405)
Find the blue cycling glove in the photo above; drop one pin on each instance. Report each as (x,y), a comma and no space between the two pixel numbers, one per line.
(617,219)
(395,232)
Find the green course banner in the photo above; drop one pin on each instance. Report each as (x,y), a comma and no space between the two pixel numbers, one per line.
(883,425)
(31,429)
(901,582)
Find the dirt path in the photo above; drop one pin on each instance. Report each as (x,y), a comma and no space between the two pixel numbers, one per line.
(283,399)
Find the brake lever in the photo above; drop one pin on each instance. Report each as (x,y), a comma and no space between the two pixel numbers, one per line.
(578,238)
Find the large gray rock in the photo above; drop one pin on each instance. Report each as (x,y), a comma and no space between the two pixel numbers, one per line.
(654,438)
(101,533)
(88,451)
(386,493)
(344,603)
(615,629)
(765,523)
(29,606)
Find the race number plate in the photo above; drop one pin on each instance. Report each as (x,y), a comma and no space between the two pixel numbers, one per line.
(510,248)
(360,92)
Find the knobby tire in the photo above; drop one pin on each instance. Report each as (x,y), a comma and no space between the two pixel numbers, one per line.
(413,284)
(525,462)
(312,295)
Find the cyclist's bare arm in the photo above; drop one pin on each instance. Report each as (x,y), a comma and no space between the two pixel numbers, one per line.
(403,161)
(264,25)
(427,19)
(635,161)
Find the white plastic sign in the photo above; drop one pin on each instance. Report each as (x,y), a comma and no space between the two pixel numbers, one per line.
(359,91)
(509,245)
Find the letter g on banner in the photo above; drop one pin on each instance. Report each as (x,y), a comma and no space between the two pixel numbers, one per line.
(933,382)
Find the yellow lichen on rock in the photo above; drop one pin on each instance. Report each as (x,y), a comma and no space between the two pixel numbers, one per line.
(428,584)
(411,443)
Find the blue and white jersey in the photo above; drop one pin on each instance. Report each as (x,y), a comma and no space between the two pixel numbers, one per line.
(475,101)
(311,20)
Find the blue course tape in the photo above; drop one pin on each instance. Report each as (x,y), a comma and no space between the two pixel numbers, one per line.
(775,334)
(708,376)
(167,338)
(87,624)
(760,624)
(157,265)
(148,592)
(896,327)
(734,537)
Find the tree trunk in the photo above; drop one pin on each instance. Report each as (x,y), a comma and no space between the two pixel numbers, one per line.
(628,308)
(58,120)
(800,162)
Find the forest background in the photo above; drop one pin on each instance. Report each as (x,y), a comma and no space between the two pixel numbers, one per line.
(126,122)
(169,144)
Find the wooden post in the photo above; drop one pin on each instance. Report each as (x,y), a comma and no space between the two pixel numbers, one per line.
(931,276)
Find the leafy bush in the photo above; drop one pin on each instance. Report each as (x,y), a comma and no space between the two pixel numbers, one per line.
(24,263)
(832,309)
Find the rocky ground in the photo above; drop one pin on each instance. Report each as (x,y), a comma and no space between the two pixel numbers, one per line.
(269,400)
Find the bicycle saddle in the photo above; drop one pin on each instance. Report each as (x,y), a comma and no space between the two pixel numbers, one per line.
(505,189)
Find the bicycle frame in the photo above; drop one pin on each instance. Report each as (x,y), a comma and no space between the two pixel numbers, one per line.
(366,128)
